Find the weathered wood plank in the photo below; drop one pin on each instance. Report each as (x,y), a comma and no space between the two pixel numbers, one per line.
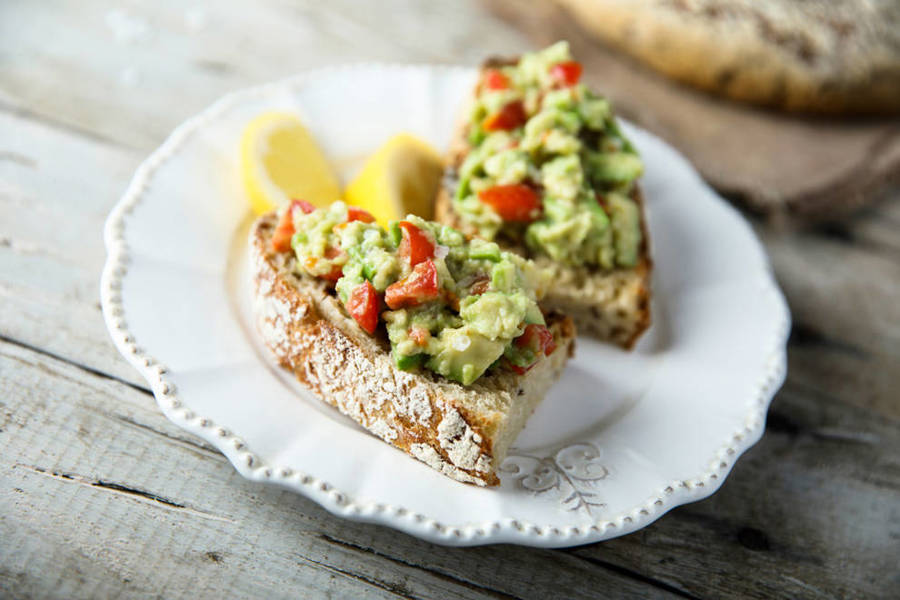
(91,461)
(132,73)
(843,295)
(56,188)
(100,495)
(810,512)
(93,497)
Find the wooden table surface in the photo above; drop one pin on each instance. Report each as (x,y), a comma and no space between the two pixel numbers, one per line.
(100,496)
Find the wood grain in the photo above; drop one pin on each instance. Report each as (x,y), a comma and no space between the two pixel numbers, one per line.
(785,166)
(102,78)
(94,501)
(56,187)
(100,496)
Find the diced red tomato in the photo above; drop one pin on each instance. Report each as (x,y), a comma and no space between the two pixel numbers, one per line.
(538,338)
(416,288)
(567,73)
(305,206)
(415,245)
(452,300)
(338,271)
(495,80)
(358,214)
(363,306)
(481,285)
(281,239)
(419,335)
(509,117)
(520,370)
(330,253)
(513,202)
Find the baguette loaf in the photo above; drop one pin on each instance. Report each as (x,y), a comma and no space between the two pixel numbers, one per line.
(462,431)
(612,305)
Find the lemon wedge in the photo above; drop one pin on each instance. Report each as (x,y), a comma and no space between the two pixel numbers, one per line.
(280,161)
(402,177)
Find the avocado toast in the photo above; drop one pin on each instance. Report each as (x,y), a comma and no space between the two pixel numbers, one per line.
(433,343)
(540,166)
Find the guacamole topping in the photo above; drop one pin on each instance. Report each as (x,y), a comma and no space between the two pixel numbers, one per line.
(456,307)
(549,167)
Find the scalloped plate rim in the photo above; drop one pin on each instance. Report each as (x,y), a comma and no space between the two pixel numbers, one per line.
(398,517)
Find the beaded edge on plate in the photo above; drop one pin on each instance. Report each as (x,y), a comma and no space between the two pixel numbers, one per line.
(341,503)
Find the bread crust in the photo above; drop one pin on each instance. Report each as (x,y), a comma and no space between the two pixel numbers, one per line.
(827,57)
(462,431)
(612,305)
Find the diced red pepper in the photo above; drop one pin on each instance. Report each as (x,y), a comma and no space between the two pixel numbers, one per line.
(419,335)
(567,73)
(363,306)
(416,288)
(415,245)
(538,338)
(358,214)
(509,117)
(495,80)
(513,202)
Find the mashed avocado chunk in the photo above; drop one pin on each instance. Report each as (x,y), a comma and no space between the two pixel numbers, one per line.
(455,307)
(542,140)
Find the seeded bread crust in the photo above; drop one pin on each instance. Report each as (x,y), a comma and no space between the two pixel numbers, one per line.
(612,305)
(462,431)
(834,56)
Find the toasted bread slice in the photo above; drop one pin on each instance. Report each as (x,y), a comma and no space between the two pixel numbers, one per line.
(462,431)
(610,304)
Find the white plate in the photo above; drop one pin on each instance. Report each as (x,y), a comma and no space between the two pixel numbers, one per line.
(620,440)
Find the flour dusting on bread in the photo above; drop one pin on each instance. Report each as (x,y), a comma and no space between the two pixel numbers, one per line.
(461,431)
